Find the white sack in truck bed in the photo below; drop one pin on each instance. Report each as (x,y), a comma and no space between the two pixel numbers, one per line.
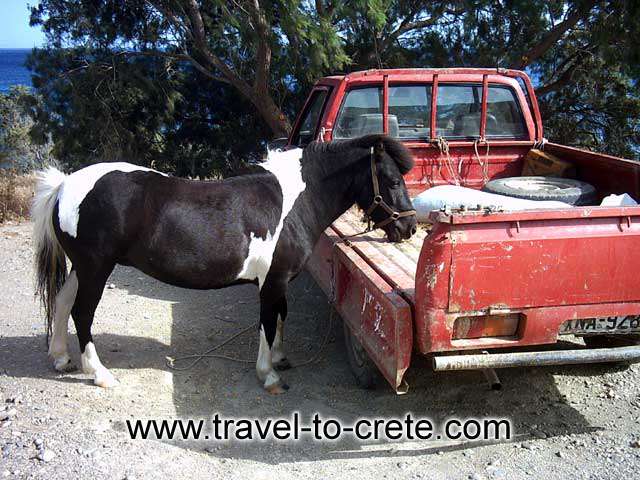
(453,196)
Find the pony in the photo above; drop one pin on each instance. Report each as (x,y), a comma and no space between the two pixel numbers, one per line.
(259,227)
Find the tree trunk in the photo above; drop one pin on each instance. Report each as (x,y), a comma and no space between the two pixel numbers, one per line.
(271,114)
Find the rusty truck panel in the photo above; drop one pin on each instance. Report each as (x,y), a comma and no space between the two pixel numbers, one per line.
(377,315)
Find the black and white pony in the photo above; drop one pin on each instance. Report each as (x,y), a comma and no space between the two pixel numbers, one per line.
(260,227)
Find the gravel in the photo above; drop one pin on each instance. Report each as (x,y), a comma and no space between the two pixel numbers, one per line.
(568,422)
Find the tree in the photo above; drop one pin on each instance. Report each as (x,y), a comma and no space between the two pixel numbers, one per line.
(262,56)
(230,42)
(99,106)
(17,150)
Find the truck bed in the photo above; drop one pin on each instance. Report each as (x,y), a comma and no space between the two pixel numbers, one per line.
(395,262)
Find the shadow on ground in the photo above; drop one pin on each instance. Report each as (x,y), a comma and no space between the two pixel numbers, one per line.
(530,396)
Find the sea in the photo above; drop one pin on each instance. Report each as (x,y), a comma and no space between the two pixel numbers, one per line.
(12,69)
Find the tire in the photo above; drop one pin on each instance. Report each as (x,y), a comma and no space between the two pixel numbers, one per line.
(573,192)
(364,370)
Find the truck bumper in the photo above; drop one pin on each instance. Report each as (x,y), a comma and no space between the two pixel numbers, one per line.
(536,359)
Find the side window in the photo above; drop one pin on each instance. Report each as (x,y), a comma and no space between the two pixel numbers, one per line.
(504,117)
(409,111)
(459,109)
(309,124)
(360,113)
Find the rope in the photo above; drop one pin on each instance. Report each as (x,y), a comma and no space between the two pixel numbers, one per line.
(443,146)
(170,362)
(483,165)
(198,357)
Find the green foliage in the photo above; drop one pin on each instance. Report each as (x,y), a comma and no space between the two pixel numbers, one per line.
(138,80)
(100,106)
(17,150)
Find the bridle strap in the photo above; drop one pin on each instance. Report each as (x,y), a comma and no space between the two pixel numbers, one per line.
(378,201)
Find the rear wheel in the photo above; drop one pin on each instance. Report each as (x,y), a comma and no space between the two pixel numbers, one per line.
(363,369)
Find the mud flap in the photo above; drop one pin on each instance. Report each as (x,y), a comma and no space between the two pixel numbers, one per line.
(377,316)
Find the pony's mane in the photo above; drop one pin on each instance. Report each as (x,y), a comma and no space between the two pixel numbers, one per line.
(396,150)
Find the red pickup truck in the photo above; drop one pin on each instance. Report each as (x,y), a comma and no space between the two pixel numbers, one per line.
(474,280)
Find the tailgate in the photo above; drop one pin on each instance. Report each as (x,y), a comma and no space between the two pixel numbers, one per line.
(587,255)
(537,268)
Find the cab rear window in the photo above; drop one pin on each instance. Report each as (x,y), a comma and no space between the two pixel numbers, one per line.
(459,111)
(409,112)
(458,115)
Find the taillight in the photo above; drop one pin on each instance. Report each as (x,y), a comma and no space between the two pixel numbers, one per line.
(504,325)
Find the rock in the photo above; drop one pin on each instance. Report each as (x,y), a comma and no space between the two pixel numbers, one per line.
(4,416)
(476,476)
(111,286)
(559,454)
(46,456)
(38,442)
(635,444)
(496,472)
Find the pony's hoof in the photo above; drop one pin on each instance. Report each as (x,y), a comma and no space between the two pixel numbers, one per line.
(277,389)
(283,364)
(106,380)
(64,365)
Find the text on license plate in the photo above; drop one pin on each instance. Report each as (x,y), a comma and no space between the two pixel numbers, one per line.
(630,323)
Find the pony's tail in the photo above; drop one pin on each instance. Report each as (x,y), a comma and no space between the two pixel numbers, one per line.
(51,264)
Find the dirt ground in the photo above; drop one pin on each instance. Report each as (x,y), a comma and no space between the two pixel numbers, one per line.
(569,422)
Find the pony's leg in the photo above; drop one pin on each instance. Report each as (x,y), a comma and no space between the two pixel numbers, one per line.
(272,299)
(58,344)
(90,288)
(278,356)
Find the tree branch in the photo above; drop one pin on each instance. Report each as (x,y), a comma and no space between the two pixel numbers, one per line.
(263,50)
(408,25)
(552,37)
(177,56)
(564,79)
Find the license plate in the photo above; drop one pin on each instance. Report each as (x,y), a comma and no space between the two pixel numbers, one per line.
(609,325)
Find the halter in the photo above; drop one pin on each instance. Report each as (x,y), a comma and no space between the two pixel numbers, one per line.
(378,201)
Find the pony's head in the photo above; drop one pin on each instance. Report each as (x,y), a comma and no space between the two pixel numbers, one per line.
(367,171)
(384,196)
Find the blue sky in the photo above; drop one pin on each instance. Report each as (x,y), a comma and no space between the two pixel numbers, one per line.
(15,31)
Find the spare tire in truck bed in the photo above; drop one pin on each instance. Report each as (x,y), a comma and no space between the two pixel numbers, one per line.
(573,192)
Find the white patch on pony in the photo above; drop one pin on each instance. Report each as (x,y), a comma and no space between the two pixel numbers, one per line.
(287,169)
(264,365)
(77,185)
(92,365)
(58,345)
